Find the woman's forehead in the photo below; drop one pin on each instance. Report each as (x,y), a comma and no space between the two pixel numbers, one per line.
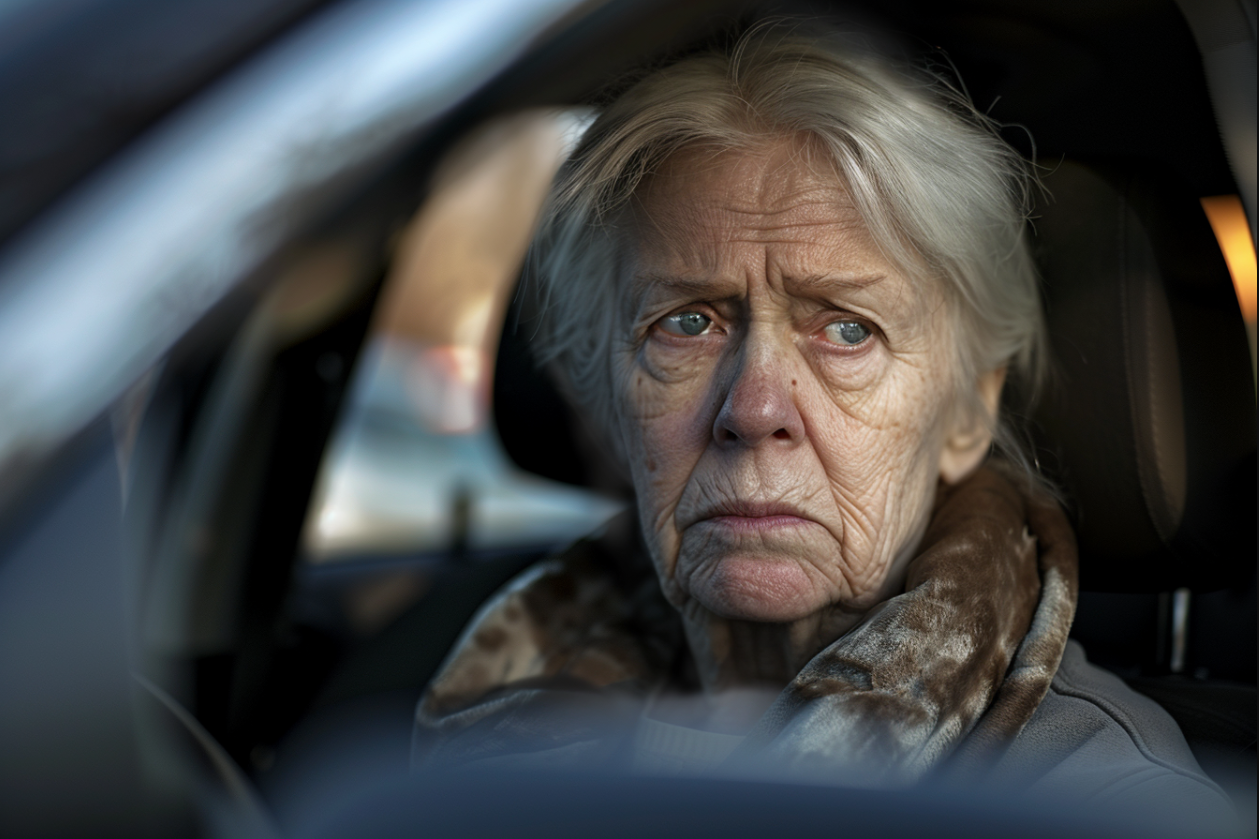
(709,218)
(779,181)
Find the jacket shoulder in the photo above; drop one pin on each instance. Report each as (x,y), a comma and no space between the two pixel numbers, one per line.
(1093,739)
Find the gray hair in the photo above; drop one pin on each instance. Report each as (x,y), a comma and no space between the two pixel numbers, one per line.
(941,193)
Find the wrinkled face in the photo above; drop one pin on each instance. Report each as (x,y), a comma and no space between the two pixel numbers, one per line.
(782,389)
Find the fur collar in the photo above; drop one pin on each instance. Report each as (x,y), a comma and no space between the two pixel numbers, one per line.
(952,669)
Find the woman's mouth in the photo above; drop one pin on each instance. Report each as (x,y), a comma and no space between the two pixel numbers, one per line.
(758,524)
(756,517)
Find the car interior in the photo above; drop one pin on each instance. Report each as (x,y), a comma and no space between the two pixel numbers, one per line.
(223,588)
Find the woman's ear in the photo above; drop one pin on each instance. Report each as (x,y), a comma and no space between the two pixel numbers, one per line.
(966,446)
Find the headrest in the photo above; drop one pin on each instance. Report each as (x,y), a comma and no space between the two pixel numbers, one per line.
(534,423)
(1149,421)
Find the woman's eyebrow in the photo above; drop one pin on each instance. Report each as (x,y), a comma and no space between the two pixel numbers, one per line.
(642,284)
(814,282)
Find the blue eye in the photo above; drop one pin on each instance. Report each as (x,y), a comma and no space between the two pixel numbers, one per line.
(847,333)
(686,323)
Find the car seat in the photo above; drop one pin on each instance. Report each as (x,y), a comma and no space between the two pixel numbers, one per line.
(1149,429)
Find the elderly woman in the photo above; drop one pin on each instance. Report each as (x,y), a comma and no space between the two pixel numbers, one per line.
(786,286)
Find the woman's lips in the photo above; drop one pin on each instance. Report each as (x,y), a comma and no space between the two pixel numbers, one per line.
(757,524)
(748,517)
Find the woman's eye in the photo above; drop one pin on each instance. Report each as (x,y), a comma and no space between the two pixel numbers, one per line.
(847,333)
(686,323)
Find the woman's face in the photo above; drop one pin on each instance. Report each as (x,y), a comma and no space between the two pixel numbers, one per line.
(783,390)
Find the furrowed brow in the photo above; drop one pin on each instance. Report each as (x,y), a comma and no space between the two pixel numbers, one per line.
(815,282)
(642,284)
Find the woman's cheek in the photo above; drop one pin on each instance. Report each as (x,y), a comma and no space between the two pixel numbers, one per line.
(874,421)
(664,406)
(666,430)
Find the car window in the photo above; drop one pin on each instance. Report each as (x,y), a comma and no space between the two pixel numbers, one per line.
(414,476)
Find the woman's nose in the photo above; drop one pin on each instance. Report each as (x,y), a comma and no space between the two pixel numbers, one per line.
(760,405)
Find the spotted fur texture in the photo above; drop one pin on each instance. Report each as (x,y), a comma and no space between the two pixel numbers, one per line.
(563,659)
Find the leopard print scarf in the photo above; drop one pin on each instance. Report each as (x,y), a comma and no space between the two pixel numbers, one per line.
(944,675)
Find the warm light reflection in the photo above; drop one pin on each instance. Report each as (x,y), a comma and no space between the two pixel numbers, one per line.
(1228,220)
(449,387)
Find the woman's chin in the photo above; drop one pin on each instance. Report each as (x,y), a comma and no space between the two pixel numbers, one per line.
(768,589)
